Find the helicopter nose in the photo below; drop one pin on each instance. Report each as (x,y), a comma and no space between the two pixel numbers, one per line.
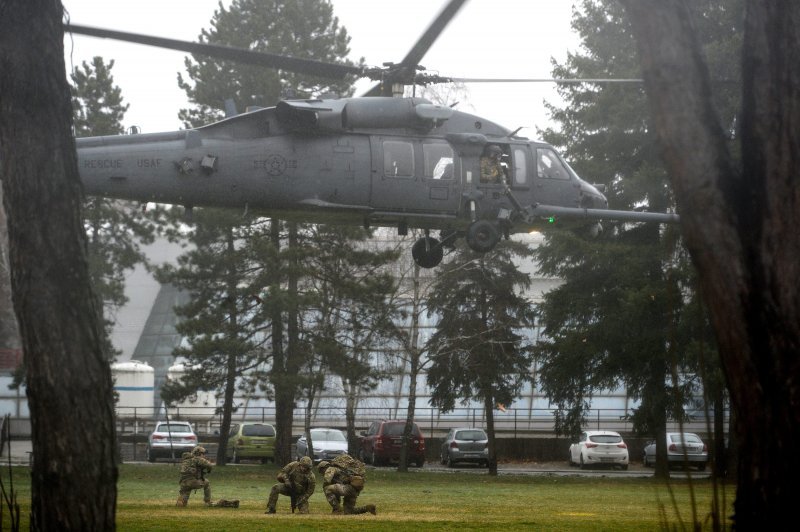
(592,198)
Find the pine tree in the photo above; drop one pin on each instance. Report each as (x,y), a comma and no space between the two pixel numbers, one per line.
(739,218)
(116,229)
(480,348)
(222,324)
(618,320)
(299,28)
(351,315)
(296,28)
(97,101)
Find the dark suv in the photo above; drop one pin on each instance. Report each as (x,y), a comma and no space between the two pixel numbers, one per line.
(381,443)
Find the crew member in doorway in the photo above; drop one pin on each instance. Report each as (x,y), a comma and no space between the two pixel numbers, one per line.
(491,169)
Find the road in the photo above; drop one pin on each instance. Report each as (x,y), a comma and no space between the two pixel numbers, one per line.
(635,470)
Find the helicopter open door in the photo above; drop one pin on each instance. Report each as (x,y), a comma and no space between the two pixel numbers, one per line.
(414,177)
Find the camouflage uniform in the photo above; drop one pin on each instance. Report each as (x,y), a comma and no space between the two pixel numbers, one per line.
(491,169)
(295,479)
(193,465)
(344,477)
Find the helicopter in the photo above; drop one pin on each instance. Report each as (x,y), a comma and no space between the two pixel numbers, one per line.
(381,159)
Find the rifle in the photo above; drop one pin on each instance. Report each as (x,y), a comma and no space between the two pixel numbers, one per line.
(202,472)
(292,496)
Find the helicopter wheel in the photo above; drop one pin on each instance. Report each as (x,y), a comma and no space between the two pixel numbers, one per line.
(427,252)
(482,236)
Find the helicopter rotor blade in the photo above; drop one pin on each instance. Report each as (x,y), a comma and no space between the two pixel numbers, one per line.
(415,55)
(547,80)
(264,59)
(423,44)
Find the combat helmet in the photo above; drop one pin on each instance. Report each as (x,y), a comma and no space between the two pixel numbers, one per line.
(493,149)
(306,462)
(198,450)
(322,466)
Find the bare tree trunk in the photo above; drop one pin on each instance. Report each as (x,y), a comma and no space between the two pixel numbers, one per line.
(312,393)
(231,369)
(283,394)
(415,354)
(350,417)
(488,406)
(9,330)
(73,480)
(740,225)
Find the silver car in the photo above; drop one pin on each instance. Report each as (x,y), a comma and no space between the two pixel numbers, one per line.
(465,444)
(170,439)
(682,448)
(328,444)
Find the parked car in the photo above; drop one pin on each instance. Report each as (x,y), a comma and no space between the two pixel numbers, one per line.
(328,444)
(381,443)
(170,439)
(599,448)
(250,440)
(682,448)
(465,444)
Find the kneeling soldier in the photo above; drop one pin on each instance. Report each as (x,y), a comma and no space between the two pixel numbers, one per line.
(296,480)
(194,466)
(344,477)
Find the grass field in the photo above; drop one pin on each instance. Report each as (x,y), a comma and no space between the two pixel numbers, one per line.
(427,500)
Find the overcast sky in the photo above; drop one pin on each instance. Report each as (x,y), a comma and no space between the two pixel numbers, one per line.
(488,38)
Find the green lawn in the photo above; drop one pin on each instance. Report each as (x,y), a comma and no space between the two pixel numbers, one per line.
(429,500)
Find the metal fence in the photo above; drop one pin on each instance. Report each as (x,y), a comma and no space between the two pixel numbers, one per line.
(509,423)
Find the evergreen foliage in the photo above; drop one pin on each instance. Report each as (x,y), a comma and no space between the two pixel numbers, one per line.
(627,314)
(97,101)
(115,229)
(222,323)
(354,312)
(480,349)
(297,28)
(305,29)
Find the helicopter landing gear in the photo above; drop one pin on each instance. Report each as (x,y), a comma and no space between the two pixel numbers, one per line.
(448,238)
(482,236)
(427,252)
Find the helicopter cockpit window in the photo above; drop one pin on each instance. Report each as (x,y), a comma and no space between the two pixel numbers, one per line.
(520,174)
(549,166)
(398,159)
(438,161)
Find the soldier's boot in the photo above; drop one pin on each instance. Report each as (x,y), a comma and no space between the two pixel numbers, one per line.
(371,509)
(181,501)
(209,503)
(361,509)
(272,501)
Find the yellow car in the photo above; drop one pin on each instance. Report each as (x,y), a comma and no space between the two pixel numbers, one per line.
(251,441)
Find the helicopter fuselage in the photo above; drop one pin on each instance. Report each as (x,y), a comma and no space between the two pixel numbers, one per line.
(373,161)
(377,161)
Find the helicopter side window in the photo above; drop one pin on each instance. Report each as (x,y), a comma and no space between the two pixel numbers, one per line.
(549,166)
(398,159)
(520,174)
(438,161)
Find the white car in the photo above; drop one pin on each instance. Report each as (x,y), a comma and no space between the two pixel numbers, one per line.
(170,440)
(328,444)
(599,448)
(682,449)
